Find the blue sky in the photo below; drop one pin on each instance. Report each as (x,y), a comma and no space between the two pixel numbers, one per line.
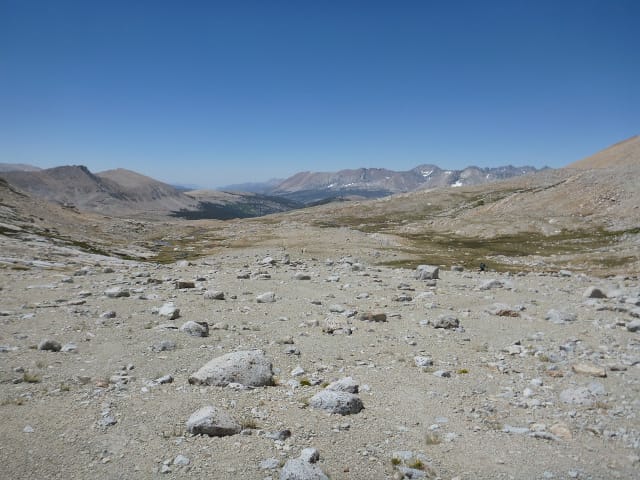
(211,93)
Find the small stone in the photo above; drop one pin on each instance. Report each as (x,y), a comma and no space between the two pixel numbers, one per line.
(108,314)
(489,284)
(69,348)
(28,429)
(446,321)
(195,329)
(163,380)
(337,308)
(427,272)
(633,326)
(302,276)
(212,421)
(304,467)
(346,384)
(589,369)
(373,316)
(267,297)
(561,430)
(442,373)
(185,284)
(577,396)
(298,371)
(181,460)
(558,317)
(342,403)
(214,295)
(169,310)
(117,292)
(421,361)
(164,346)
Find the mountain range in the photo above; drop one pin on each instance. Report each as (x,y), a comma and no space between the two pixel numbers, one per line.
(124,192)
(309,187)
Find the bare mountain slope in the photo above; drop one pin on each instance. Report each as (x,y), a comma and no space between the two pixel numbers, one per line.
(620,154)
(114,192)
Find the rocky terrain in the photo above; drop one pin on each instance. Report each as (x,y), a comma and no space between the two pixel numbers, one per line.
(466,375)
(454,334)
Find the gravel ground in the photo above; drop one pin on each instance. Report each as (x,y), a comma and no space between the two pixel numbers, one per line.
(489,405)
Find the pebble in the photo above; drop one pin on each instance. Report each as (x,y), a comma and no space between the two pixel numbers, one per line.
(267,297)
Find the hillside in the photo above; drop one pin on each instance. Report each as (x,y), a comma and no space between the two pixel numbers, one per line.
(625,153)
(113,192)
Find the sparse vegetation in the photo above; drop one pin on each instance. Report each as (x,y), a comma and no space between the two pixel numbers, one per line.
(31,378)
(433,438)
(248,423)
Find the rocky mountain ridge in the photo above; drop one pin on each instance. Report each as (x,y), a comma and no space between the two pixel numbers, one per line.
(309,187)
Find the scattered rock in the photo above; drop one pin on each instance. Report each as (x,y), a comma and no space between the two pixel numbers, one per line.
(423,361)
(185,284)
(69,348)
(558,317)
(267,297)
(195,329)
(250,368)
(577,396)
(342,403)
(427,272)
(304,467)
(446,321)
(181,460)
(373,316)
(336,324)
(589,369)
(489,284)
(561,430)
(346,384)
(212,421)
(633,326)
(117,292)
(214,295)
(169,310)
(164,346)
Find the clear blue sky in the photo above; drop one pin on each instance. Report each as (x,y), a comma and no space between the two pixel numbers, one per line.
(211,93)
